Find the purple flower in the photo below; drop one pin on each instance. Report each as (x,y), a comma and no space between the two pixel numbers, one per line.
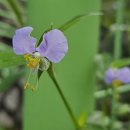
(111,74)
(121,75)
(124,75)
(54,45)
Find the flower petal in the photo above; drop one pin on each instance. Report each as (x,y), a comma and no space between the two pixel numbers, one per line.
(22,41)
(54,46)
(111,74)
(124,75)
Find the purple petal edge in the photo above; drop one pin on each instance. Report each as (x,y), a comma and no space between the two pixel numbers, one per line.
(54,46)
(22,41)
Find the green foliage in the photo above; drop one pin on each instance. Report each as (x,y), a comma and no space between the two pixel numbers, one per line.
(76,20)
(109,92)
(6,14)
(6,30)
(17,10)
(10,79)
(71,23)
(4,47)
(102,63)
(99,121)
(14,14)
(8,25)
(9,59)
(66,26)
(120,63)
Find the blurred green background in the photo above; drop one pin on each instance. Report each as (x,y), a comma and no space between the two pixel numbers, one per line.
(95,44)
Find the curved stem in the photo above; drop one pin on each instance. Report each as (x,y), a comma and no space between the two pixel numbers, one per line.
(113,108)
(118,33)
(52,76)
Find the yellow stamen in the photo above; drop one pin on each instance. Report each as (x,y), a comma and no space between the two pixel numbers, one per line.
(117,83)
(33,62)
(30,86)
(26,56)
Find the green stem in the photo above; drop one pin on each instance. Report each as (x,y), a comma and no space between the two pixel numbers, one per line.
(14,5)
(53,77)
(117,54)
(113,108)
(129,123)
(118,33)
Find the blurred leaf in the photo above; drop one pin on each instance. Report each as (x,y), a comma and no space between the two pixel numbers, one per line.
(76,19)
(17,9)
(6,30)
(82,119)
(98,118)
(6,14)
(118,125)
(5,33)
(4,47)
(8,81)
(2,128)
(104,93)
(4,2)
(6,26)
(9,59)
(120,63)
(94,127)
(102,63)
(123,109)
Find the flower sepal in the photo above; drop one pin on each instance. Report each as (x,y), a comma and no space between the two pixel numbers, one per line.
(44,64)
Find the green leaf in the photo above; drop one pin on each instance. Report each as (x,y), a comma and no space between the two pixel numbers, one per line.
(8,81)
(69,23)
(121,63)
(6,30)
(76,19)
(7,14)
(4,2)
(9,59)
(98,121)
(4,47)
(39,74)
(109,92)
(94,127)
(65,26)
(17,9)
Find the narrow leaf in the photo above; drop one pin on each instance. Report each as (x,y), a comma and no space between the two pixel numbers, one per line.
(8,81)
(4,47)
(69,23)
(9,59)
(39,74)
(6,30)
(4,2)
(108,92)
(6,14)
(76,19)
(121,63)
(17,9)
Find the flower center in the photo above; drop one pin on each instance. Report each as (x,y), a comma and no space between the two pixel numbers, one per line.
(33,62)
(117,83)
